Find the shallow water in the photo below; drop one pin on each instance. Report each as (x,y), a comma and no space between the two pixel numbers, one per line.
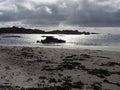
(96,41)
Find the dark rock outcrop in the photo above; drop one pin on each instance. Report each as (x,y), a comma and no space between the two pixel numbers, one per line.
(51,39)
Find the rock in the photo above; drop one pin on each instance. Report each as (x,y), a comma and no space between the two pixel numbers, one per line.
(51,39)
(38,41)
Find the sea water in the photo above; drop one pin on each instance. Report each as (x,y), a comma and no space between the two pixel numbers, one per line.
(93,41)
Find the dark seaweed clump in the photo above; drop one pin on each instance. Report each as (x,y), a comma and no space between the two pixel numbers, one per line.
(99,72)
(97,86)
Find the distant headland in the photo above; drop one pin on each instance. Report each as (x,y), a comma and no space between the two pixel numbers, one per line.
(17,30)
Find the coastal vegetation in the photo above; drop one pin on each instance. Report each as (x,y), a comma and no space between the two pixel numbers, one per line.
(17,30)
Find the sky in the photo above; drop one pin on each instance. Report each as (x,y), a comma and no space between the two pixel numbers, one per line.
(33,13)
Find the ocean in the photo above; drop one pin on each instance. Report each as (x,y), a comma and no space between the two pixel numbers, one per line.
(103,41)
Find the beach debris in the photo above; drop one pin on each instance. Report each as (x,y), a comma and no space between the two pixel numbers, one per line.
(78,85)
(106,81)
(99,72)
(103,57)
(85,56)
(110,64)
(7,88)
(52,80)
(97,86)
(70,65)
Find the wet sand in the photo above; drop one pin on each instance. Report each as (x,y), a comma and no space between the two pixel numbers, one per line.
(27,68)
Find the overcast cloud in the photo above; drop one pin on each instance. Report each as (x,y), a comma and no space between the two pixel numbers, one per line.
(60,12)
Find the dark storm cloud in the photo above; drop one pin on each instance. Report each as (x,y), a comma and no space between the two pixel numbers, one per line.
(96,14)
(55,12)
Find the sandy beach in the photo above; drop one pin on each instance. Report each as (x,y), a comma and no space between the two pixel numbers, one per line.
(27,68)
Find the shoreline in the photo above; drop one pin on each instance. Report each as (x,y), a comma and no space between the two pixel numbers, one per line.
(41,68)
(93,48)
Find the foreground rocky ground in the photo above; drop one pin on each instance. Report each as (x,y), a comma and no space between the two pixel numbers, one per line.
(26,68)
